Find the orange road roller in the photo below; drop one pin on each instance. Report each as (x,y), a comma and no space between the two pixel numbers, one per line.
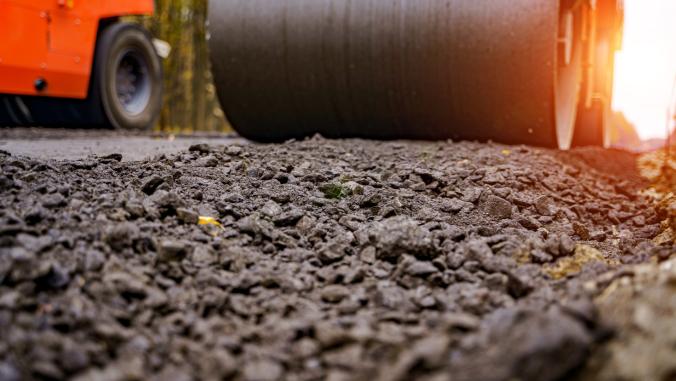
(73,63)
(536,72)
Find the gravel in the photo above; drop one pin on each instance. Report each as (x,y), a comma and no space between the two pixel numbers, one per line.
(336,260)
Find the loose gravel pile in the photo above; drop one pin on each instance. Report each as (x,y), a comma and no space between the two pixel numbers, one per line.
(336,260)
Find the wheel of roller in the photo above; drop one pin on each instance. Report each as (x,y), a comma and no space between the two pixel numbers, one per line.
(424,69)
(593,121)
(125,89)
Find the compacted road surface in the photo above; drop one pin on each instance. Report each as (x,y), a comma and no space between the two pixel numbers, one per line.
(335,260)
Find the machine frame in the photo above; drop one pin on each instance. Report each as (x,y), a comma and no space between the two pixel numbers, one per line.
(48,46)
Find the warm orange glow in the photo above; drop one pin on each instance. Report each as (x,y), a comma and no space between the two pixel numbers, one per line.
(646,67)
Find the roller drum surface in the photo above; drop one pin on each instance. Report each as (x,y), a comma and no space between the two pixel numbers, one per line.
(424,69)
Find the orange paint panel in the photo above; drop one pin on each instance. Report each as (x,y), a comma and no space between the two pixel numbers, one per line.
(23,49)
(54,40)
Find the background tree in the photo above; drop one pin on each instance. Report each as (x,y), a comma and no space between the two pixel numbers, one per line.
(190,102)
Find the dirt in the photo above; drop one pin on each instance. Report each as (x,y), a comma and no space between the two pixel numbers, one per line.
(332,260)
(73,144)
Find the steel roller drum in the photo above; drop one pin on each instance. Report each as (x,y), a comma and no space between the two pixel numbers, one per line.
(391,69)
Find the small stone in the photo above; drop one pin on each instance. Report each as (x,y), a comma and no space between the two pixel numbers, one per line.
(74,359)
(218,364)
(233,150)
(371,199)
(519,285)
(6,183)
(498,207)
(202,256)
(545,206)
(170,251)
(271,209)
(53,201)
(150,185)
(639,220)
(539,256)
(455,260)
(187,216)
(334,293)
(289,218)
(396,236)
(581,231)
(599,236)
(368,255)
(496,282)
(530,223)
(170,372)
(94,260)
(121,236)
(331,253)
(45,369)
(471,195)
(553,245)
(135,209)
(163,204)
(9,372)
(263,370)
(454,205)
(421,269)
(113,157)
(200,148)
(566,244)
(35,215)
(208,161)
(306,224)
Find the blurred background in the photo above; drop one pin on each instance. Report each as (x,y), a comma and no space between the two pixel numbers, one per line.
(190,102)
(645,82)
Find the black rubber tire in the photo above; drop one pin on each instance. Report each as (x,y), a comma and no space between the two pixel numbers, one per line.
(101,108)
(115,42)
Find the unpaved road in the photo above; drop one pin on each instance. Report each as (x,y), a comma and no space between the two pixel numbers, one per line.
(61,144)
(336,260)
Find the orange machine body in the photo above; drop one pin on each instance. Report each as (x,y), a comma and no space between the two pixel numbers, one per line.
(53,41)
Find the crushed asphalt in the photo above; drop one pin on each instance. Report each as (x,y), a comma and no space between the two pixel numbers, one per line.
(335,260)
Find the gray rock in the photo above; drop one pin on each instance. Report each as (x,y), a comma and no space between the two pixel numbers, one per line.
(9,372)
(187,216)
(401,235)
(581,231)
(170,250)
(566,245)
(545,206)
(421,269)
(151,184)
(53,200)
(334,293)
(262,370)
(271,209)
(207,161)
(121,236)
(498,207)
(202,148)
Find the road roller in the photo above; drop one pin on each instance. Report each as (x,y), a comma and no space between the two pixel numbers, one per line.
(73,63)
(536,72)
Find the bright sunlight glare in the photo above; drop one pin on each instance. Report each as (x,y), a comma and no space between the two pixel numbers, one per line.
(646,66)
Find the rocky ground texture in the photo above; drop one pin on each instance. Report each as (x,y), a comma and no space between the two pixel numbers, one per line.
(336,260)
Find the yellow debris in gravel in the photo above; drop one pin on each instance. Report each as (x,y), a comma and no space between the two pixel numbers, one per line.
(572,265)
(659,167)
(506,152)
(209,221)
